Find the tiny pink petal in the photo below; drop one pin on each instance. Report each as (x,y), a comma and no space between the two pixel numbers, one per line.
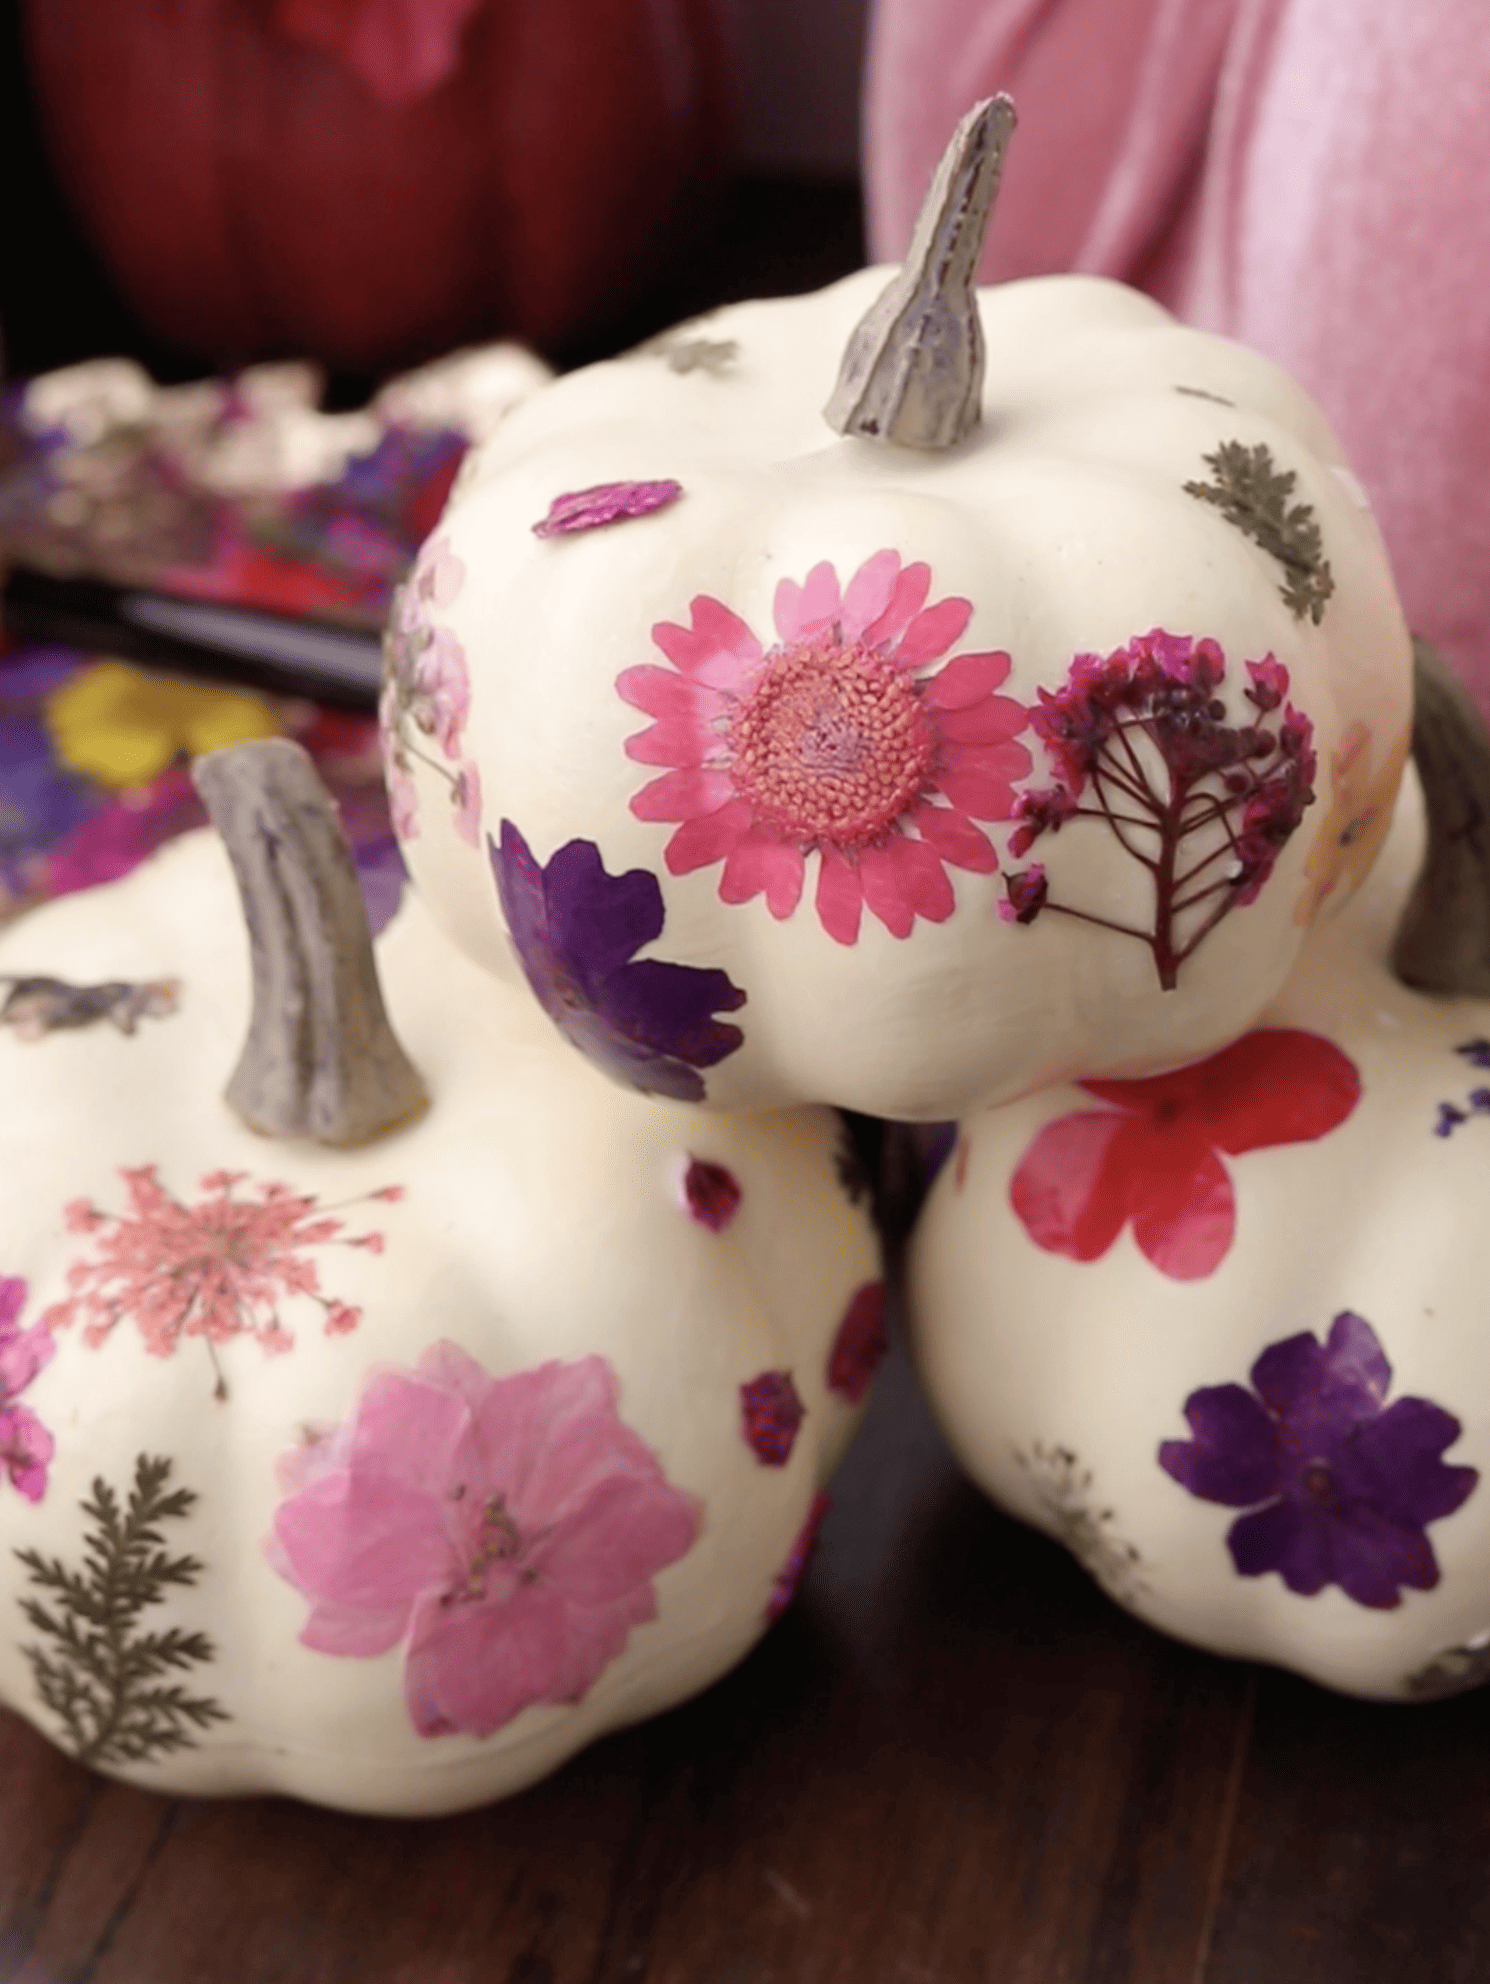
(758,865)
(25,1449)
(712,837)
(906,602)
(932,632)
(954,837)
(717,648)
(662,692)
(967,679)
(982,794)
(682,794)
(840,897)
(790,1574)
(810,608)
(904,879)
(605,503)
(869,592)
(466,804)
(770,1413)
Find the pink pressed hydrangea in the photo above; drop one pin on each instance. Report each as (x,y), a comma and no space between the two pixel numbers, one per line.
(840,741)
(505,1531)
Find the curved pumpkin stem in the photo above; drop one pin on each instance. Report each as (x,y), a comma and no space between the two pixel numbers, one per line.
(321,1060)
(1443,940)
(913,370)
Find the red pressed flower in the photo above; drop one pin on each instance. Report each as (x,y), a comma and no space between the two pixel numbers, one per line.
(836,741)
(1155,1158)
(790,1574)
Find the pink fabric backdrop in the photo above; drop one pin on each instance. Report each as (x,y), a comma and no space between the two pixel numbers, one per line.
(1310,176)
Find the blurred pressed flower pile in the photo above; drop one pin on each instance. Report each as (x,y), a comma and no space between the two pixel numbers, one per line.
(239,490)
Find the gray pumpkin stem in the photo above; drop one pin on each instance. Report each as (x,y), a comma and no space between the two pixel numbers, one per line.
(321,1060)
(1443,940)
(913,370)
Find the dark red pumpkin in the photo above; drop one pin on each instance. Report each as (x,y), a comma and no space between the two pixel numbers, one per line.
(374,180)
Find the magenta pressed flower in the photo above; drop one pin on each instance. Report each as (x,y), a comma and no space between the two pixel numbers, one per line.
(770,1413)
(605,503)
(576,930)
(25,1444)
(1139,742)
(505,1531)
(860,1344)
(839,740)
(711,1193)
(1338,1486)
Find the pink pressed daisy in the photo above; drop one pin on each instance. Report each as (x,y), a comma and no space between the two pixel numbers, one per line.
(838,740)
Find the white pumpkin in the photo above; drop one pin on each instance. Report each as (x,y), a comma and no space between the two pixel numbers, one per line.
(1222,1331)
(387,1476)
(798,677)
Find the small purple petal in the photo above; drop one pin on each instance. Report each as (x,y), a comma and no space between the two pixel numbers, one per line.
(711,1194)
(1395,1462)
(605,503)
(1235,1457)
(1285,1538)
(770,1413)
(597,921)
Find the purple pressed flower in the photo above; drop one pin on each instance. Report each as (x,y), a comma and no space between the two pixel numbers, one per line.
(1338,1487)
(770,1413)
(576,930)
(710,1193)
(1476,1052)
(605,503)
(790,1574)
(860,1344)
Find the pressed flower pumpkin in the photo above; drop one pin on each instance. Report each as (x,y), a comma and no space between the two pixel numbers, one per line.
(392,1473)
(1221,1330)
(978,746)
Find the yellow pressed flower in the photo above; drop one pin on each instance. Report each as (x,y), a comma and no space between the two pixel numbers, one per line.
(121,726)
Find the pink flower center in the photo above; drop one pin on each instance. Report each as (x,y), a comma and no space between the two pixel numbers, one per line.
(494,1555)
(830,743)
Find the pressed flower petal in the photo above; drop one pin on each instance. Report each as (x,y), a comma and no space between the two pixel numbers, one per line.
(1183,1209)
(810,608)
(973,790)
(626,1532)
(770,1413)
(663,692)
(677,741)
(954,837)
(670,1008)
(966,680)
(711,1193)
(994,720)
(682,795)
(869,592)
(861,1343)
(840,896)
(368,1543)
(1235,1457)
(1066,1191)
(717,648)
(1372,1558)
(408,1431)
(906,601)
(700,842)
(1279,1085)
(472,1668)
(595,921)
(1285,1538)
(932,632)
(758,865)
(790,1574)
(605,503)
(1396,1459)
(902,878)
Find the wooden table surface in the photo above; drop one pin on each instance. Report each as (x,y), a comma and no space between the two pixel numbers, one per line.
(953,1759)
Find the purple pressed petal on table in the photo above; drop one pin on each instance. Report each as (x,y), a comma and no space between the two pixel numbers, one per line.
(770,1413)
(605,503)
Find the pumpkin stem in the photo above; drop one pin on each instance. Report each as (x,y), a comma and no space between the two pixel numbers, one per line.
(1443,940)
(913,370)
(321,1060)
